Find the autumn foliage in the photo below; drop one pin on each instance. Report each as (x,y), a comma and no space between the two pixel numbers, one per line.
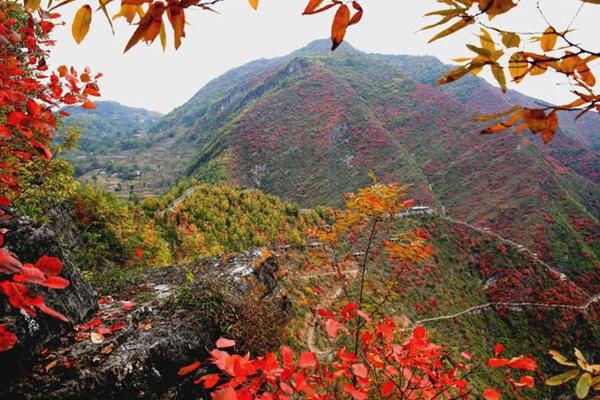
(29,97)
(371,356)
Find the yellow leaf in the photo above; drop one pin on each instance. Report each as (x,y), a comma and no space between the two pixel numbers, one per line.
(81,23)
(489,117)
(510,39)
(518,67)
(128,12)
(253,3)
(96,338)
(548,40)
(453,75)
(559,358)
(452,29)
(498,73)
(486,41)
(33,4)
(163,36)
(495,7)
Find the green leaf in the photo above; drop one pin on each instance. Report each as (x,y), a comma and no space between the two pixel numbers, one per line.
(562,378)
(583,386)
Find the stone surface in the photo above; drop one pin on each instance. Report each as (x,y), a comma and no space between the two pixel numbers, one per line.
(177,314)
(29,242)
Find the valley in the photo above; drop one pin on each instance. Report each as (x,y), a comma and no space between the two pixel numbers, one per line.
(309,126)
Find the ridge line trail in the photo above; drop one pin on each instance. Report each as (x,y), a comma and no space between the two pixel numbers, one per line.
(519,246)
(514,306)
(310,321)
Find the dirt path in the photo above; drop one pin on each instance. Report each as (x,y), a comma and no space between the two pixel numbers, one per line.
(523,249)
(310,321)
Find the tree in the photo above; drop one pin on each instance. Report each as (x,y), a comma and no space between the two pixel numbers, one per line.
(370,357)
(28,97)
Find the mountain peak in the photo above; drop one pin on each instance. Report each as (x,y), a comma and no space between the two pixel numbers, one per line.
(323,46)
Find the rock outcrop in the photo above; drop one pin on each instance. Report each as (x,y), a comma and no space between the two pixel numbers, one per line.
(29,241)
(134,345)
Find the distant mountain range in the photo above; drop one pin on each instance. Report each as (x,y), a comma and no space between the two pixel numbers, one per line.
(309,126)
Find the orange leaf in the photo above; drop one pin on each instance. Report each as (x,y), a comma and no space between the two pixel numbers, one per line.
(176,17)
(491,394)
(357,15)
(81,23)
(189,368)
(340,24)
(149,26)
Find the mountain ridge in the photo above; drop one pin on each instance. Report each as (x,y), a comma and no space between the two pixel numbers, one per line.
(310,125)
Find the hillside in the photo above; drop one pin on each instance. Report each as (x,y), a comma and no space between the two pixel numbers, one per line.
(107,131)
(308,126)
(478,288)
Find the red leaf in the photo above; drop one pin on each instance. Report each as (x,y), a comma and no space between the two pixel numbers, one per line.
(420,333)
(56,282)
(49,265)
(307,360)
(311,6)
(497,362)
(4,202)
(333,327)
(128,305)
(358,15)
(360,370)
(189,368)
(288,357)
(4,131)
(117,326)
(226,393)
(30,274)
(92,324)
(53,313)
(8,263)
(89,105)
(209,380)
(223,343)
(7,339)
(356,394)
(44,150)
(325,313)
(387,388)
(491,394)
(522,362)
(526,381)
(499,349)
(15,118)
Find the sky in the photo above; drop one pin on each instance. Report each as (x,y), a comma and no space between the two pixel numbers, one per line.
(149,78)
